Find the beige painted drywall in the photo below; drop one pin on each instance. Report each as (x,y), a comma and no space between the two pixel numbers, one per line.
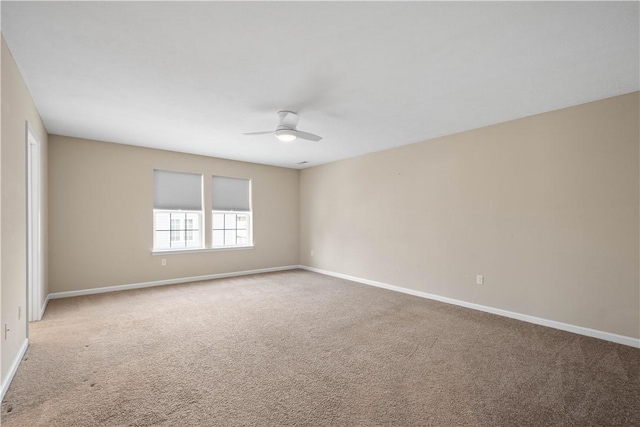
(545,207)
(101,223)
(3,375)
(17,109)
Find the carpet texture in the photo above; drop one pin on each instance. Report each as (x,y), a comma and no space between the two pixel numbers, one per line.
(299,348)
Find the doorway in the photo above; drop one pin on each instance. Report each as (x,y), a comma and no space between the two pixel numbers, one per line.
(34,227)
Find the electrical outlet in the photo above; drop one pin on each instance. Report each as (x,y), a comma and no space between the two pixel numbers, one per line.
(19,312)
(480,279)
(163,262)
(6,330)
(311,252)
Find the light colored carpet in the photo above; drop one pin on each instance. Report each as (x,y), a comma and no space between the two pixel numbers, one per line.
(299,348)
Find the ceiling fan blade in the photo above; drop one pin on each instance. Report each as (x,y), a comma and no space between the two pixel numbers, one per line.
(258,133)
(309,136)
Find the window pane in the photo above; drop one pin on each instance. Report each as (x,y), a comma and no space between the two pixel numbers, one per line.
(218,221)
(162,240)
(229,221)
(230,237)
(218,237)
(183,230)
(243,237)
(231,229)
(162,220)
(193,221)
(193,239)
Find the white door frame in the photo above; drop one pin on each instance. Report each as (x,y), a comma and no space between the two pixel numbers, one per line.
(34,227)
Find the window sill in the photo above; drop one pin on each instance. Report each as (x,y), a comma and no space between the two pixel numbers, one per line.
(192,251)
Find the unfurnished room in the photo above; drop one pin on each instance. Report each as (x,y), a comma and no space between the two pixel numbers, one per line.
(307,213)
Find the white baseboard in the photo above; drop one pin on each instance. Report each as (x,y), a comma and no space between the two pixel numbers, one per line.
(116,288)
(620,339)
(14,368)
(44,306)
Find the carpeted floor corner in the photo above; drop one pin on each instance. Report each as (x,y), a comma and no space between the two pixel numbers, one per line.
(299,348)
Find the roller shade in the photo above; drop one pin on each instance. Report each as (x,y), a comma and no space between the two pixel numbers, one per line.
(177,191)
(231,194)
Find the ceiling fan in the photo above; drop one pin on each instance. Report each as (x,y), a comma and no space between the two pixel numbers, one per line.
(286,130)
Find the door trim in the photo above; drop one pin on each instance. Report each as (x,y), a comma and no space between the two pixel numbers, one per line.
(34,226)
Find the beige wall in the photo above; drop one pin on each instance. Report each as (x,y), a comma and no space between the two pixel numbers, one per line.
(545,207)
(101,223)
(17,109)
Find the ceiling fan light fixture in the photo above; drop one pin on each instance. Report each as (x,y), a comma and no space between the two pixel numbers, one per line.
(286,135)
(287,132)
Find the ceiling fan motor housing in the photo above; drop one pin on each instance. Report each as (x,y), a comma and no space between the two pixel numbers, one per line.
(288,120)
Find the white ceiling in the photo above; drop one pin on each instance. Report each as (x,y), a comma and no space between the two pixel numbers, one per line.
(367,76)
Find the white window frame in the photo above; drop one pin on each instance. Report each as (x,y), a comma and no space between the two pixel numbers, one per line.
(249,243)
(179,249)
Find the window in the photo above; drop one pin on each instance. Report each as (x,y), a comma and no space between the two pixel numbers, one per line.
(177,230)
(177,213)
(231,229)
(231,212)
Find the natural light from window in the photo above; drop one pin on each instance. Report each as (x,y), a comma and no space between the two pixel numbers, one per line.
(177,211)
(231,214)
